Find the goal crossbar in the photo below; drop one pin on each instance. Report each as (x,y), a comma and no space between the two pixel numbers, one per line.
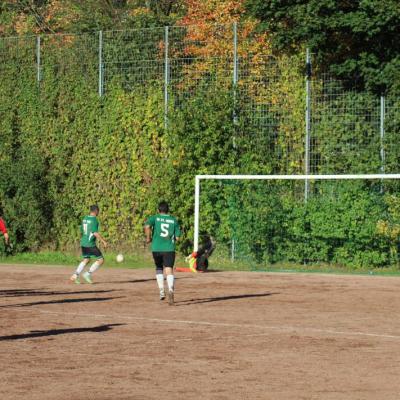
(198,178)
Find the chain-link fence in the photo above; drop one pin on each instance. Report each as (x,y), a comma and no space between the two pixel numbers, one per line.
(300,121)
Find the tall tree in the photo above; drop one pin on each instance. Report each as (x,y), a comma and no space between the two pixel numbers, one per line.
(54,16)
(354,39)
(209,32)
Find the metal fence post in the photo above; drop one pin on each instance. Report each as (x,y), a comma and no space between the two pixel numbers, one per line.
(166,76)
(235,54)
(101,78)
(38,61)
(235,76)
(308,123)
(382,138)
(382,133)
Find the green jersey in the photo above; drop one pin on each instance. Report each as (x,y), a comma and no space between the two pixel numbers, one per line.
(165,230)
(90,225)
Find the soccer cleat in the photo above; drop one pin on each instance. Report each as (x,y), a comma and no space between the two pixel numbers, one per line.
(75,278)
(162,294)
(87,277)
(171,297)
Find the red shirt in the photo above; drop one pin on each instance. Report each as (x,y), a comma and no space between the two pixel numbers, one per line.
(3,228)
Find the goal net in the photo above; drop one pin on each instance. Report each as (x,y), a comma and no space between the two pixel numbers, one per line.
(290,221)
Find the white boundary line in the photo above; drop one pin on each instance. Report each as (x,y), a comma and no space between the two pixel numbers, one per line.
(282,328)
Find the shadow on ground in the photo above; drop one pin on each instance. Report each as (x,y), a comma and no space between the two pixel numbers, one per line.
(56,332)
(223,298)
(43,292)
(143,280)
(62,301)
(131,281)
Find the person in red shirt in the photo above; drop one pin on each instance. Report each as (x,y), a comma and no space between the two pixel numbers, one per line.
(3,230)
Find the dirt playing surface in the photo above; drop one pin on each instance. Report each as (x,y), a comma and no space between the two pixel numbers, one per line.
(229,336)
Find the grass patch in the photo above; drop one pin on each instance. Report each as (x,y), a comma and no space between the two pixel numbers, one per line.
(70,259)
(145,260)
(223,264)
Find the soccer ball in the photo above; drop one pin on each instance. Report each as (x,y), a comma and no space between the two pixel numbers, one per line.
(120,258)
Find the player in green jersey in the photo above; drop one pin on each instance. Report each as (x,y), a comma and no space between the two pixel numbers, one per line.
(162,231)
(90,233)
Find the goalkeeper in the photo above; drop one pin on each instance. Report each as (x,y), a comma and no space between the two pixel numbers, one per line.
(198,260)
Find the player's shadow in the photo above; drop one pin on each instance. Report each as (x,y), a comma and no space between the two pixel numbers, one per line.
(56,332)
(42,292)
(144,280)
(62,301)
(134,281)
(223,298)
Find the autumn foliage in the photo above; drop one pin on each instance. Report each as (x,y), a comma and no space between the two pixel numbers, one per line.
(210,30)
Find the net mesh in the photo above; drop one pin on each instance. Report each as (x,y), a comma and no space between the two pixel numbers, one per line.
(264,224)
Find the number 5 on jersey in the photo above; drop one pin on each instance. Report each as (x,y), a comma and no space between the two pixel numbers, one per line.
(164,230)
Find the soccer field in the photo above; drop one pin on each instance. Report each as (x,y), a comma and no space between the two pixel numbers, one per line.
(231,335)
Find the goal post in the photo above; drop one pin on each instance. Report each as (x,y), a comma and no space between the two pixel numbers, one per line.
(306,178)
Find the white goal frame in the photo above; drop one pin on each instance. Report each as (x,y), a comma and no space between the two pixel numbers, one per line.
(306,178)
